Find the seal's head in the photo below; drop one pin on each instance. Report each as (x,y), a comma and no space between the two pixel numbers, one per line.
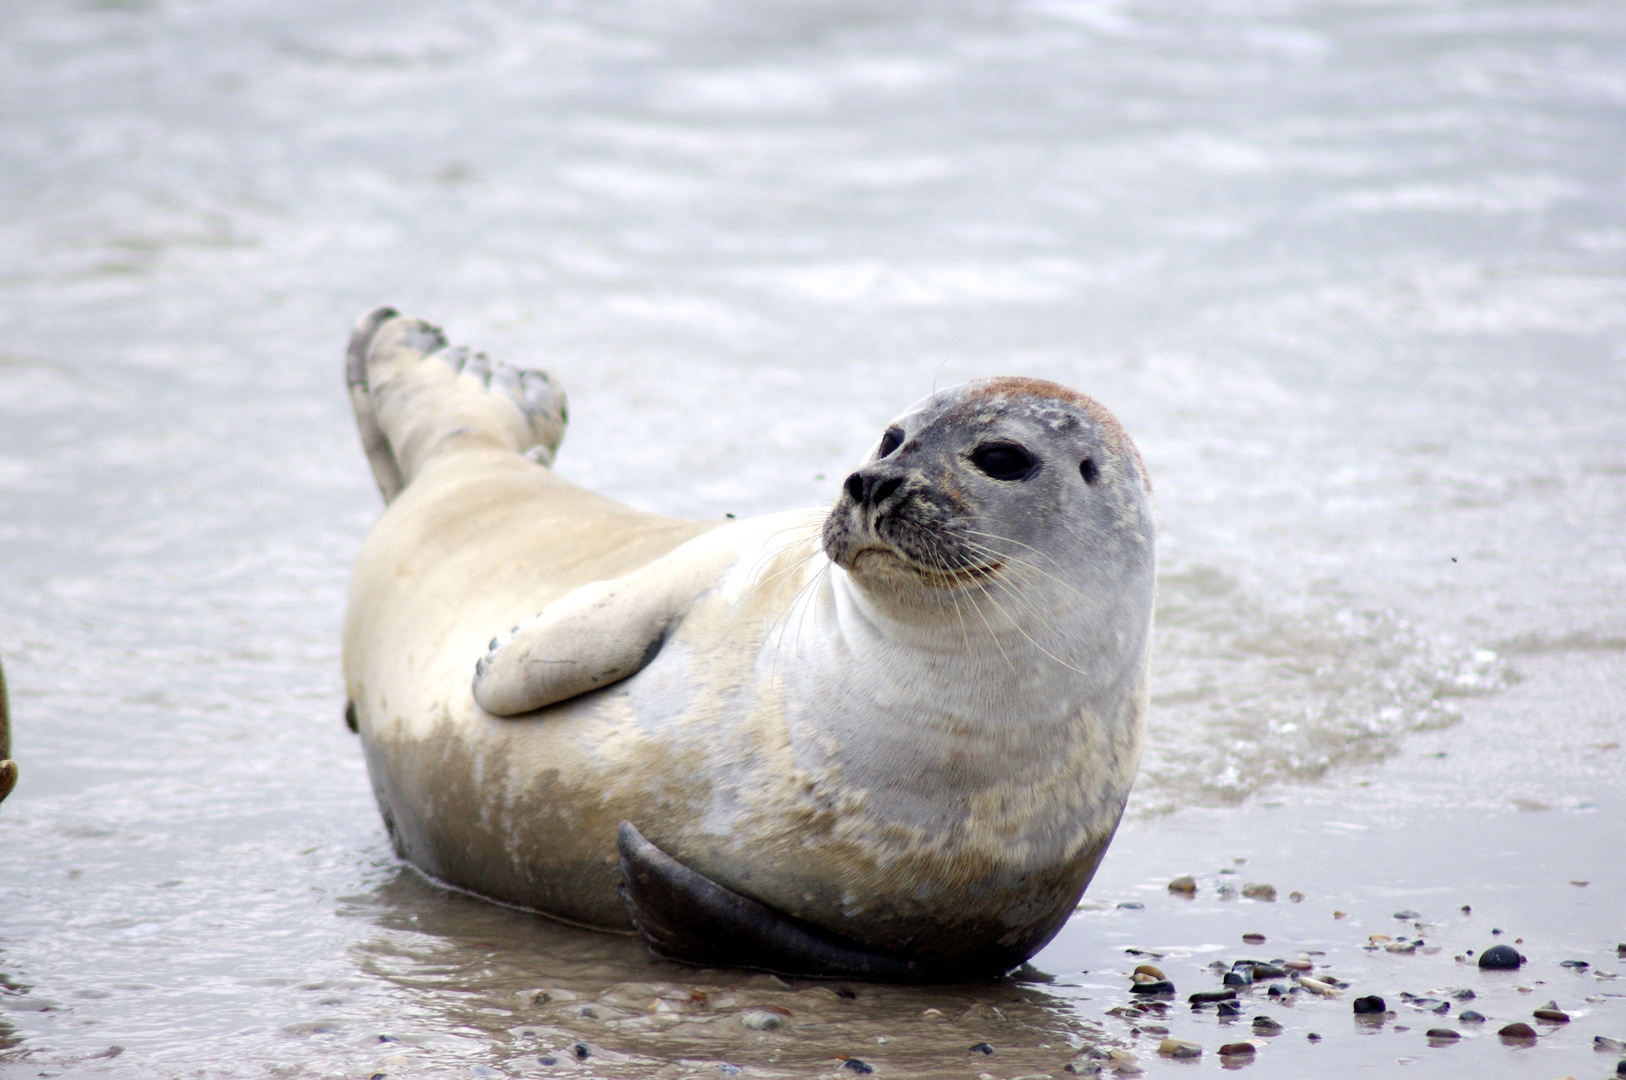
(1014,489)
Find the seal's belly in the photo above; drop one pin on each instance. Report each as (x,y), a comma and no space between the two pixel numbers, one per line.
(525,810)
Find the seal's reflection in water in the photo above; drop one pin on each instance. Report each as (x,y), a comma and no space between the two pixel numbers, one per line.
(511,990)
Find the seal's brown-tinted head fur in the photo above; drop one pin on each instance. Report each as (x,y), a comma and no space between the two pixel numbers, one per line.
(983,478)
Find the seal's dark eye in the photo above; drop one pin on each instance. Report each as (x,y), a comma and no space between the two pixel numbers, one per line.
(889,442)
(1003,461)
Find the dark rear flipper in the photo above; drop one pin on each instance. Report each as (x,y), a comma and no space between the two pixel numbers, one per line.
(687,916)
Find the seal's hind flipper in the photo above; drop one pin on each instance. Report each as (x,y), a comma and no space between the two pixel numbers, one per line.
(386,470)
(686,916)
(413,396)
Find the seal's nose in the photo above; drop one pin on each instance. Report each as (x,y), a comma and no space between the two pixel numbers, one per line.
(871,489)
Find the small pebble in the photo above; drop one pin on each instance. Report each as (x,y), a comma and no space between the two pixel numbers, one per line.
(1148,969)
(1604,1044)
(1179,1048)
(1408,914)
(1578,965)
(1259,890)
(1253,938)
(1443,1034)
(1517,1030)
(1313,1037)
(582,1051)
(1620,1067)
(762,1020)
(931,1014)
(982,1048)
(1298,965)
(1500,958)
(1132,905)
(728,1070)
(1316,986)
(1237,1049)
(547,1059)
(1229,1008)
(1403,947)
(857,1066)
(1471,1016)
(1340,914)
(1242,976)
(1124,1063)
(1156,986)
(1552,1015)
(1264,1025)
(1467,909)
(1371,1003)
(1185,883)
(1203,997)
(1463,994)
(1296,896)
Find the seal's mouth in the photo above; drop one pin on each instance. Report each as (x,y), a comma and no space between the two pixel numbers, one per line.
(937,577)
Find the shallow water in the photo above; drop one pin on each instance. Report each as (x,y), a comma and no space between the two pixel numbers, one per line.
(1353,275)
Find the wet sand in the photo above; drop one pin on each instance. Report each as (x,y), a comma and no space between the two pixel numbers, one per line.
(1479,828)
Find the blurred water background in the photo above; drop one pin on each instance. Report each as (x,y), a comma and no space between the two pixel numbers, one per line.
(1353,274)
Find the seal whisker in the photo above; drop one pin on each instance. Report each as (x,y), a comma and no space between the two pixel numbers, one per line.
(1015,568)
(758,581)
(965,632)
(1041,554)
(799,605)
(989,627)
(987,588)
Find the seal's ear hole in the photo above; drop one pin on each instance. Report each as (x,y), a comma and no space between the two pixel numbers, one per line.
(1088,470)
(1004,461)
(889,442)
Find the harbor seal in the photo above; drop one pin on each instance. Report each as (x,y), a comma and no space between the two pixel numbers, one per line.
(890,739)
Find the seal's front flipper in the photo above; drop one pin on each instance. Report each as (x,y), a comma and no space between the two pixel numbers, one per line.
(686,916)
(598,634)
